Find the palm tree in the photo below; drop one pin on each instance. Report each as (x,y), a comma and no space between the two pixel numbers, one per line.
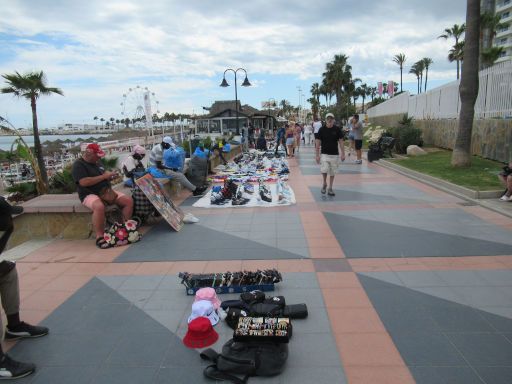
(373,92)
(337,77)
(415,71)
(490,55)
(457,52)
(95,119)
(364,91)
(427,62)
(468,89)
(102,120)
(31,86)
(400,60)
(456,32)
(315,91)
(420,65)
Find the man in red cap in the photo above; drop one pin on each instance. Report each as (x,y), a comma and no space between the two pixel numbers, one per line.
(91,180)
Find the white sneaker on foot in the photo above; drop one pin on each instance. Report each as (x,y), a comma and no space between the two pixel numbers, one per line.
(506,198)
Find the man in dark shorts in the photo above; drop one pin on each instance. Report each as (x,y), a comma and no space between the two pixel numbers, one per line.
(357,131)
(329,144)
(91,179)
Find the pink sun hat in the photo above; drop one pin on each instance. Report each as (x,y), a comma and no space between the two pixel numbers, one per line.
(208,294)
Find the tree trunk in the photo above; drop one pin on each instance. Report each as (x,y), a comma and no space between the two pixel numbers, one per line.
(401,70)
(426,79)
(468,88)
(458,71)
(43,183)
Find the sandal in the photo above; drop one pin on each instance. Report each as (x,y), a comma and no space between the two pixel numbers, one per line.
(324,188)
(102,244)
(331,193)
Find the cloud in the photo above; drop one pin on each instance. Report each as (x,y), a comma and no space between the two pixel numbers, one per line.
(95,50)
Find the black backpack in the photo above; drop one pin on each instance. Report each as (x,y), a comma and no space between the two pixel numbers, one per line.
(245,359)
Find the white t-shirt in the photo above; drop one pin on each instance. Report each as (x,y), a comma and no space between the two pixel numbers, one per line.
(316,126)
(130,163)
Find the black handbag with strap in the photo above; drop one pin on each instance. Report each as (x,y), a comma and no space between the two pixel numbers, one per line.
(245,359)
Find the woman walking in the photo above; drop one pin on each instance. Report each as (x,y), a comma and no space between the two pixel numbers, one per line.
(290,138)
(298,134)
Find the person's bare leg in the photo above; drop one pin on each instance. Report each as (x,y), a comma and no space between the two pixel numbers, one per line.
(331,180)
(324,176)
(126,205)
(509,185)
(358,154)
(98,218)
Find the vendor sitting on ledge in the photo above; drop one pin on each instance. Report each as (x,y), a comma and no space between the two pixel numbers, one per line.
(95,191)
(506,178)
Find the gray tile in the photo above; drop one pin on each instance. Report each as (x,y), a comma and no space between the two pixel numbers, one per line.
(141,282)
(58,375)
(500,318)
(483,349)
(445,375)
(461,278)
(426,348)
(459,318)
(180,375)
(388,277)
(495,375)
(445,293)
(332,265)
(170,319)
(313,350)
(316,322)
(291,243)
(312,297)
(406,319)
(485,296)
(498,277)
(391,240)
(123,375)
(160,300)
(419,278)
(140,349)
(317,375)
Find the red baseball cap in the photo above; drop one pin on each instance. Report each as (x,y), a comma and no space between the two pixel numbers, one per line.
(96,149)
(200,333)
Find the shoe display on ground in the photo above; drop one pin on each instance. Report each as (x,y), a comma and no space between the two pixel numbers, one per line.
(265,193)
(24,330)
(249,188)
(217,198)
(12,369)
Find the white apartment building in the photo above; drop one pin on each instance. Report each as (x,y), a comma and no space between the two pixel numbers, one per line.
(503,36)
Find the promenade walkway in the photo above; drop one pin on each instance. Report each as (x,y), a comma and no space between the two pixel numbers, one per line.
(404,284)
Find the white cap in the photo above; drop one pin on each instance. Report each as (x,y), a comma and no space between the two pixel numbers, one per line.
(167,139)
(204,308)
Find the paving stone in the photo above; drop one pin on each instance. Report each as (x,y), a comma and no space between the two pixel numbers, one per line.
(445,375)
(483,349)
(495,375)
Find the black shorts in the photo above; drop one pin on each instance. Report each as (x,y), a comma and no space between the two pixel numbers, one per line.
(358,144)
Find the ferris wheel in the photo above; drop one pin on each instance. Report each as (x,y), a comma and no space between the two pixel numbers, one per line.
(139,102)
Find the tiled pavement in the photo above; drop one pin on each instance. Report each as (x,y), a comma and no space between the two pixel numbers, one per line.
(404,284)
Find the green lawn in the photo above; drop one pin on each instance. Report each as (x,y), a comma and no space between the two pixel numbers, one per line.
(481,176)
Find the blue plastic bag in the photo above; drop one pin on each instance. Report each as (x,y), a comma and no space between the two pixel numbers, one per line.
(226,148)
(174,158)
(203,154)
(157,173)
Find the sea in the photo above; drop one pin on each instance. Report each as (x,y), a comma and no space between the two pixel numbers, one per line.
(6,141)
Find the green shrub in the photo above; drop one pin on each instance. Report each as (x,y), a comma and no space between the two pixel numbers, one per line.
(62,182)
(109,163)
(25,191)
(405,136)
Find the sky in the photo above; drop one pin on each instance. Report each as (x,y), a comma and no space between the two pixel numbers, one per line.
(97,50)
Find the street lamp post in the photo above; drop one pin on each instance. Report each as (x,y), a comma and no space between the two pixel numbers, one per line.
(244,84)
(273,104)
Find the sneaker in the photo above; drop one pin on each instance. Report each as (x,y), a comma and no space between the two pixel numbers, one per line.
(506,198)
(24,330)
(358,161)
(198,192)
(190,219)
(12,369)
(331,193)
(324,189)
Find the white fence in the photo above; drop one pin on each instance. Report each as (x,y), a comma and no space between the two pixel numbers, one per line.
(494,98)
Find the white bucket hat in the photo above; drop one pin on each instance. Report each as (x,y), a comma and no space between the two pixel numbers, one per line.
(204,308)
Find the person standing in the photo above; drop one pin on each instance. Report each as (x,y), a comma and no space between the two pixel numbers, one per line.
(329,150)
(281,140)
(290,138)
(317,124)
(297,134)
(357,132)
(308,131)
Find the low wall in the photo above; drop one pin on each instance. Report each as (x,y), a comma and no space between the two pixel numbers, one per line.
(491,139)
